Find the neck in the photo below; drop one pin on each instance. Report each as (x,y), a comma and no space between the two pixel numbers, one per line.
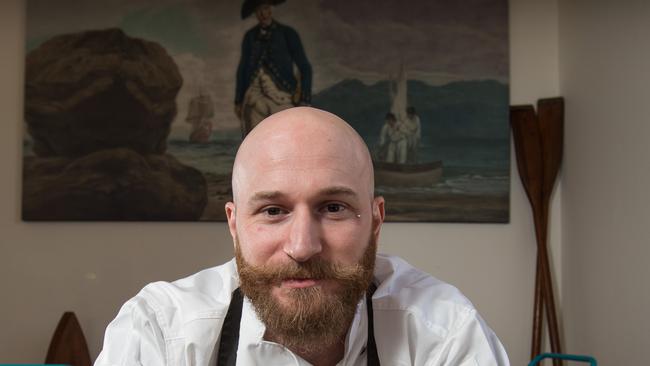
(319,355)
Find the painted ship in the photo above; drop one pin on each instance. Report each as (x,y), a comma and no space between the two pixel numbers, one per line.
(200,115)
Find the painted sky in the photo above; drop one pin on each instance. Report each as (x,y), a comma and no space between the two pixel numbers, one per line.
(437,41)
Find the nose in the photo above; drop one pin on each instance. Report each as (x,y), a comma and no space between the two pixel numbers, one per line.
(304,237)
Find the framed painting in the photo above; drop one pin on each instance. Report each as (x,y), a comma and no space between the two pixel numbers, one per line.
(134,110)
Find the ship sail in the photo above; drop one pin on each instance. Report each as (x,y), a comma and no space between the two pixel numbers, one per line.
(199,115)
(398,93)
(398,164)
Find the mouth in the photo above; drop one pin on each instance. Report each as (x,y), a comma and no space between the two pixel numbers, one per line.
(299,282)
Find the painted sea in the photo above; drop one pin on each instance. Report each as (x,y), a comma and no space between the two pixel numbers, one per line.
(468,134)
(474,185)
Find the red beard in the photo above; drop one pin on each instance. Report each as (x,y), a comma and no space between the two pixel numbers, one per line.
(314,317)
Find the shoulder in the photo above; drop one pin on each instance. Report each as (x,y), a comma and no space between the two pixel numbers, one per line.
(251,32)
(405,290)
(435,320)
(154,326)
(205,294)
(284,28)
(400,282)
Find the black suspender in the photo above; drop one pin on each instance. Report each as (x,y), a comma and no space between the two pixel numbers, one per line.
(371,347)
(230,331)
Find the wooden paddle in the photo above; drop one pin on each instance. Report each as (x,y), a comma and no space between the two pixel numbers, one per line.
(528,146)
(538,159)
(68,345)
(550,116)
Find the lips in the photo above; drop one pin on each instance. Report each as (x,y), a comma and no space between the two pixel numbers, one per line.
(299,282)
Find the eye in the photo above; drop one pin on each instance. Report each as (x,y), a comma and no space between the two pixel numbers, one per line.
(334,207)
(336,210)
(273,211)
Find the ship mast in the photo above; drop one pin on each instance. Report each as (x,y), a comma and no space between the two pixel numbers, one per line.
(398,94)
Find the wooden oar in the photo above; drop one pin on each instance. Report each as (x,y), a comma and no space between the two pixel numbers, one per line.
(68,345)
(550,116)
(527,139)
(531,144)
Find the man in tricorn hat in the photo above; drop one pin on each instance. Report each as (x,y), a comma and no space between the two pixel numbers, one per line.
(306,286)
(265,77)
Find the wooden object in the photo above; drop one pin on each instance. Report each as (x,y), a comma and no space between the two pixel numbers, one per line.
(538,143)
(68,345)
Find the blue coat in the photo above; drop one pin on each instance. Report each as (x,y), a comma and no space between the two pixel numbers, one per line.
(277,52)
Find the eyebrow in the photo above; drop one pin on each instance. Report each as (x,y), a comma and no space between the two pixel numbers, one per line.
(337,191)
(266,196)
(275,195)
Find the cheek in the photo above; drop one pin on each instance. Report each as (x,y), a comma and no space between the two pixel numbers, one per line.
(346,243)
(260,244)
(342,242)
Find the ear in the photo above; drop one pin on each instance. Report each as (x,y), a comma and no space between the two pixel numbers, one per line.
(378,215)
(232,220)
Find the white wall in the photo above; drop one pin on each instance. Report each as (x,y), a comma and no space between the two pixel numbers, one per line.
(91,268)
(605,73)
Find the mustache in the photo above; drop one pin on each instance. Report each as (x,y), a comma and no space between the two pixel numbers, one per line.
(314,268)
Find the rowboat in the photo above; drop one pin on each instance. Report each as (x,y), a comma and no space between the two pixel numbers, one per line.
(407,175)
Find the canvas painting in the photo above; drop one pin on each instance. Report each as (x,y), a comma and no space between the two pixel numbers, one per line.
(134,110)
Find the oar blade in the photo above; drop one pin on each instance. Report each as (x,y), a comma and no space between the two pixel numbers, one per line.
(550,113)
(528,149)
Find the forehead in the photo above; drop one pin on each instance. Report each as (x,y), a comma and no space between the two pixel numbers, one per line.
(303,150)
(295,169)
(302,174)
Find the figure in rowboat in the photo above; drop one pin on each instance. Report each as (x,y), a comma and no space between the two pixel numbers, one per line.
(397,163)
(393,141)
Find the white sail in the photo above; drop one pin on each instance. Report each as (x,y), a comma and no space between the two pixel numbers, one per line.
(399,101)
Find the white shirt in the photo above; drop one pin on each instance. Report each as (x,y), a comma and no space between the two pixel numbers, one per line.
(418,320)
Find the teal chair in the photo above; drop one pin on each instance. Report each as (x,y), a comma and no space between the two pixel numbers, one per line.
(562,356)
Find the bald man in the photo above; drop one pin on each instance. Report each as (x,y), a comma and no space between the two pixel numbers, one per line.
(306,286)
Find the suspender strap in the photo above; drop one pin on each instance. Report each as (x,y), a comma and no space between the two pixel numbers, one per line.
(371,346)
(230,331)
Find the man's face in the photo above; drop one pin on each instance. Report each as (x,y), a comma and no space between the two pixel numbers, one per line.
(305,224)
(310,317)
(300,197)
(264,14)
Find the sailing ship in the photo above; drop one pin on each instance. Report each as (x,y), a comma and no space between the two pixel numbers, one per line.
(200,115)
(411,173)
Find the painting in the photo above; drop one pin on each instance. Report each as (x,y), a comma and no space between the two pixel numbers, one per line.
(134,110)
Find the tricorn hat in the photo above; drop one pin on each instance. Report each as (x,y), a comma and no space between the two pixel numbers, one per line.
(249,6)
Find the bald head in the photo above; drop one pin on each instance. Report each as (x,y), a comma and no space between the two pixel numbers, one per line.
(297,139)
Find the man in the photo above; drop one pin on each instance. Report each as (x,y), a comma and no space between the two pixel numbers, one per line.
(393,140)
(414,134)
(306,285)
(265,77)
